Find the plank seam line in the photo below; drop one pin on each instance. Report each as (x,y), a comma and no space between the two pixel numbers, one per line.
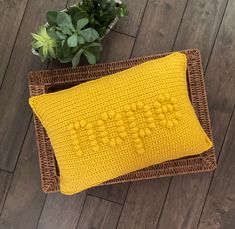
(180,24)
(213,174)
(83,205)
(102,198)
(205,71)
(6,171)
(212,48)
(15,166)
(208,190)
(163,205)
(125,34)
(142,17)
(13,47)
(43,205)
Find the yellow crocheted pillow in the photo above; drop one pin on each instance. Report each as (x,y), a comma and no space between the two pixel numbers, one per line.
(120,123)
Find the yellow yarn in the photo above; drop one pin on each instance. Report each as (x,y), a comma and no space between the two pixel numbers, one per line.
(120,123)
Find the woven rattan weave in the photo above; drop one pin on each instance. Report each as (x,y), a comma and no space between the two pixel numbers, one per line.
(53,80)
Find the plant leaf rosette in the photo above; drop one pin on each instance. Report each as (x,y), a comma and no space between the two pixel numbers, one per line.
(79,38)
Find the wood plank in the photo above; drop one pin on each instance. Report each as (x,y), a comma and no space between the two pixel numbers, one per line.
(72,2)
(115,193)
(25,198)
(116,46)
(191,190)
(156,35)
(219,209)
(199,26)
(130,24)
(14,109)
(220,80)
(98,213)
(143,204)
(11,14)
(61,211)
(184,201)
(5,179)
(135,213)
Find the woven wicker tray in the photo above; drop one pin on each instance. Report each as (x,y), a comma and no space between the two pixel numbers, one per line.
(53,80)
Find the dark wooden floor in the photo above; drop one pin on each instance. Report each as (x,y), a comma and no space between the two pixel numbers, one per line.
(204,201)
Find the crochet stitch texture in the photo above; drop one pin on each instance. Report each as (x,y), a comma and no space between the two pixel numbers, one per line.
(120,123)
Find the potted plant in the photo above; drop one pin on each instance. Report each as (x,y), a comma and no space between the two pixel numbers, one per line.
(76,31)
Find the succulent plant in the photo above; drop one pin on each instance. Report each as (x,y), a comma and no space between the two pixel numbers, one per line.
(101,13)
(44,43)
(76,31)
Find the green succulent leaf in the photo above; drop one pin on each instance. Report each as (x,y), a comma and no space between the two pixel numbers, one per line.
(51,17)
(81,40)
(61,35)
(76,58)
(91,58)
(81,23)
(122,11)
(37,37)
(52,52)
(81,14)
(42,57)
(76,13)
(77,31)
(66,30)
(52,33)
(64,60)
(44,51)
(37,44)
(72,11)
(95,45)
(95,49)
(66,50)
(44,44)
(72,40)
(64,21)
(89,34)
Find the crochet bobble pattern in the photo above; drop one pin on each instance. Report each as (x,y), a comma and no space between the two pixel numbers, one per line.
(139,121)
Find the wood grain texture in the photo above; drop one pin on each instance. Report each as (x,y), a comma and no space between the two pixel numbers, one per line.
(220,80)
(219,209)
(116,46)
(156,35)
(11,14)
(61,211)
(14,109)
(71,2)
(199,26)
(130,24)
(98,213)
(25,198)
(143,204)
(184,201)
(5,179)
(115,193)
(191,190)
